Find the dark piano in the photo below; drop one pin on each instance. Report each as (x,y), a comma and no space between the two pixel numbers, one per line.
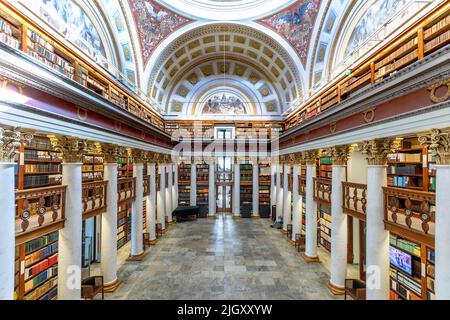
(184,213)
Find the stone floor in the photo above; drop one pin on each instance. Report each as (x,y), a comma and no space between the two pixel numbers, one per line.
(221,259)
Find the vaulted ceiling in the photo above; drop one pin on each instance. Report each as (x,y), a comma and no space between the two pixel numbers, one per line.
(272,54)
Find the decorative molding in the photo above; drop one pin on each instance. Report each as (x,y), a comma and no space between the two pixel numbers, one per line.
(434,87)
(5,81)
(340,154)
(138,155)
(82,113)
(71,148)
(310,156)
(369,115)
(376,151)
(333,127)
(110,152)
(439,142)
(9,144)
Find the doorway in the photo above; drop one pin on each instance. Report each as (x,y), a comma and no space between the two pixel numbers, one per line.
(224,183)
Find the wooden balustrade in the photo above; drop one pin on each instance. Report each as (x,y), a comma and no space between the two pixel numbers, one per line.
(410,213)
(146,185)
(93,198)
(126,189)
(302,185)
(322,190)
(354,199)
(39,211)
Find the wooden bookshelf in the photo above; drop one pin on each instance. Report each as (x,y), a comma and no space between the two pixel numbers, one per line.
(324,226)
(10,33)
(93,169)
(184,184)
(203,188)
(125,167)
(144,215)
(324,167)
(264,189)
(123,224)
(246,189)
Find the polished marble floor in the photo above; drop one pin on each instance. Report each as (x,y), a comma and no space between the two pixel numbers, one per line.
(221,259)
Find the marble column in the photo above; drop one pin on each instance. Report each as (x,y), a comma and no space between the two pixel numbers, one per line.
(279,192)
(296,201)
(310,254)
(169,194)
(175,186)
(108,262)
(212,190)
(377,237)
(255,189)
(287,205)
(9,145)
(161,201)
(339,227)
(69,243)
(151,203)
(439,142)
(273,188)
(137,248)
(237,190)
(193,183)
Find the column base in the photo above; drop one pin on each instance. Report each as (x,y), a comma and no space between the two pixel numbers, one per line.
(113,286)
(236,217)
(283,231)
(138,257)
(337,291)
(309,259)
(212,217)
(164,231)
(256,216)
(153,242)
(172,222)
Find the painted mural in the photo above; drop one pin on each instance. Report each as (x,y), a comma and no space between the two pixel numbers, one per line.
(372,20)
(69,19)
(296,24)
(225,104)
(154,22)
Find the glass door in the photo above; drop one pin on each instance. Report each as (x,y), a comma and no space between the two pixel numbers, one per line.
(224,184)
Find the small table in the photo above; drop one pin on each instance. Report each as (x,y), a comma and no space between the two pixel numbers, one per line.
(184,213)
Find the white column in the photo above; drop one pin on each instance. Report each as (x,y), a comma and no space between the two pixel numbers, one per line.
(442,236)
(162,196)
(338,266)
(255,189)
(279,193)
(286,197)
(212,190)
(377,238)
(193,184)
(69,245)
(237,190)
(7,234)
(151,202)
(169,193)
(136,212)
(297,203)
(109,227)
(311,215)
(175,187)
(273,189)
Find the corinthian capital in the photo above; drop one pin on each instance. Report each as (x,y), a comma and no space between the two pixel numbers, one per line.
(339,154)
(111,152)
(439,142)
(376,151)
(310,156)
(71,148)
(138,155)
(9,144)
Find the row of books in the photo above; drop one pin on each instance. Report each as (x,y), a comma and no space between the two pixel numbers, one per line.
(89,167)
(404,182)
(405,285)
(41,254)
(43,180)
(46,291)
(41,278)
(405,157)
(325,226)
(40,242)
(42,168)
(92,176)
(40,143)
(41,266)
(9,40)
(93,160)
(408,246)
(404,169)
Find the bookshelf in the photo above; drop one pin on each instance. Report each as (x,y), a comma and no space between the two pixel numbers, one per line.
(45,52)
(10,33)
(117,97)
(246,189)
(38,259)
(303,229)
(92,82)
(92,169)
(264,189)
(41,165)
(144,215)
(184,184)
(203,188)
(125,167)
(324,167)
(123,224)
(325,226)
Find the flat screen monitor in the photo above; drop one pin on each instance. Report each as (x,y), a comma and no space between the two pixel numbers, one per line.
(400,259)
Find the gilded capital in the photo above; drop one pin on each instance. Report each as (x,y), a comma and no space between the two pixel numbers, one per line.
(298,157)
(71,148)
(110,152)
(9,144)
(339,154)
(439,142)
(376,151)
(310,156)
(138,155)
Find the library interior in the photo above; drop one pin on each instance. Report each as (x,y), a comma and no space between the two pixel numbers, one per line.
(216,150)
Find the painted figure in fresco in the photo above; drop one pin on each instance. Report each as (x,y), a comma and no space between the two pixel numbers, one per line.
(224,105)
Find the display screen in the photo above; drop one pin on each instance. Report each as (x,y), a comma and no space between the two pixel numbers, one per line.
(400,259)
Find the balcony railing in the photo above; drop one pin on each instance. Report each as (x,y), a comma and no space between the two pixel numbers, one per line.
(146,186)
(126,189)
(322,190)
(354,199)
(302,185)
(93,198)
(39,211)
(410,213)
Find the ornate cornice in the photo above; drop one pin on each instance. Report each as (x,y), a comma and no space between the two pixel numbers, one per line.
(138,155)
(71,148)
(439,142)
(339,154)
(9,144)
(110,152)
(310,156)
(376,151)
